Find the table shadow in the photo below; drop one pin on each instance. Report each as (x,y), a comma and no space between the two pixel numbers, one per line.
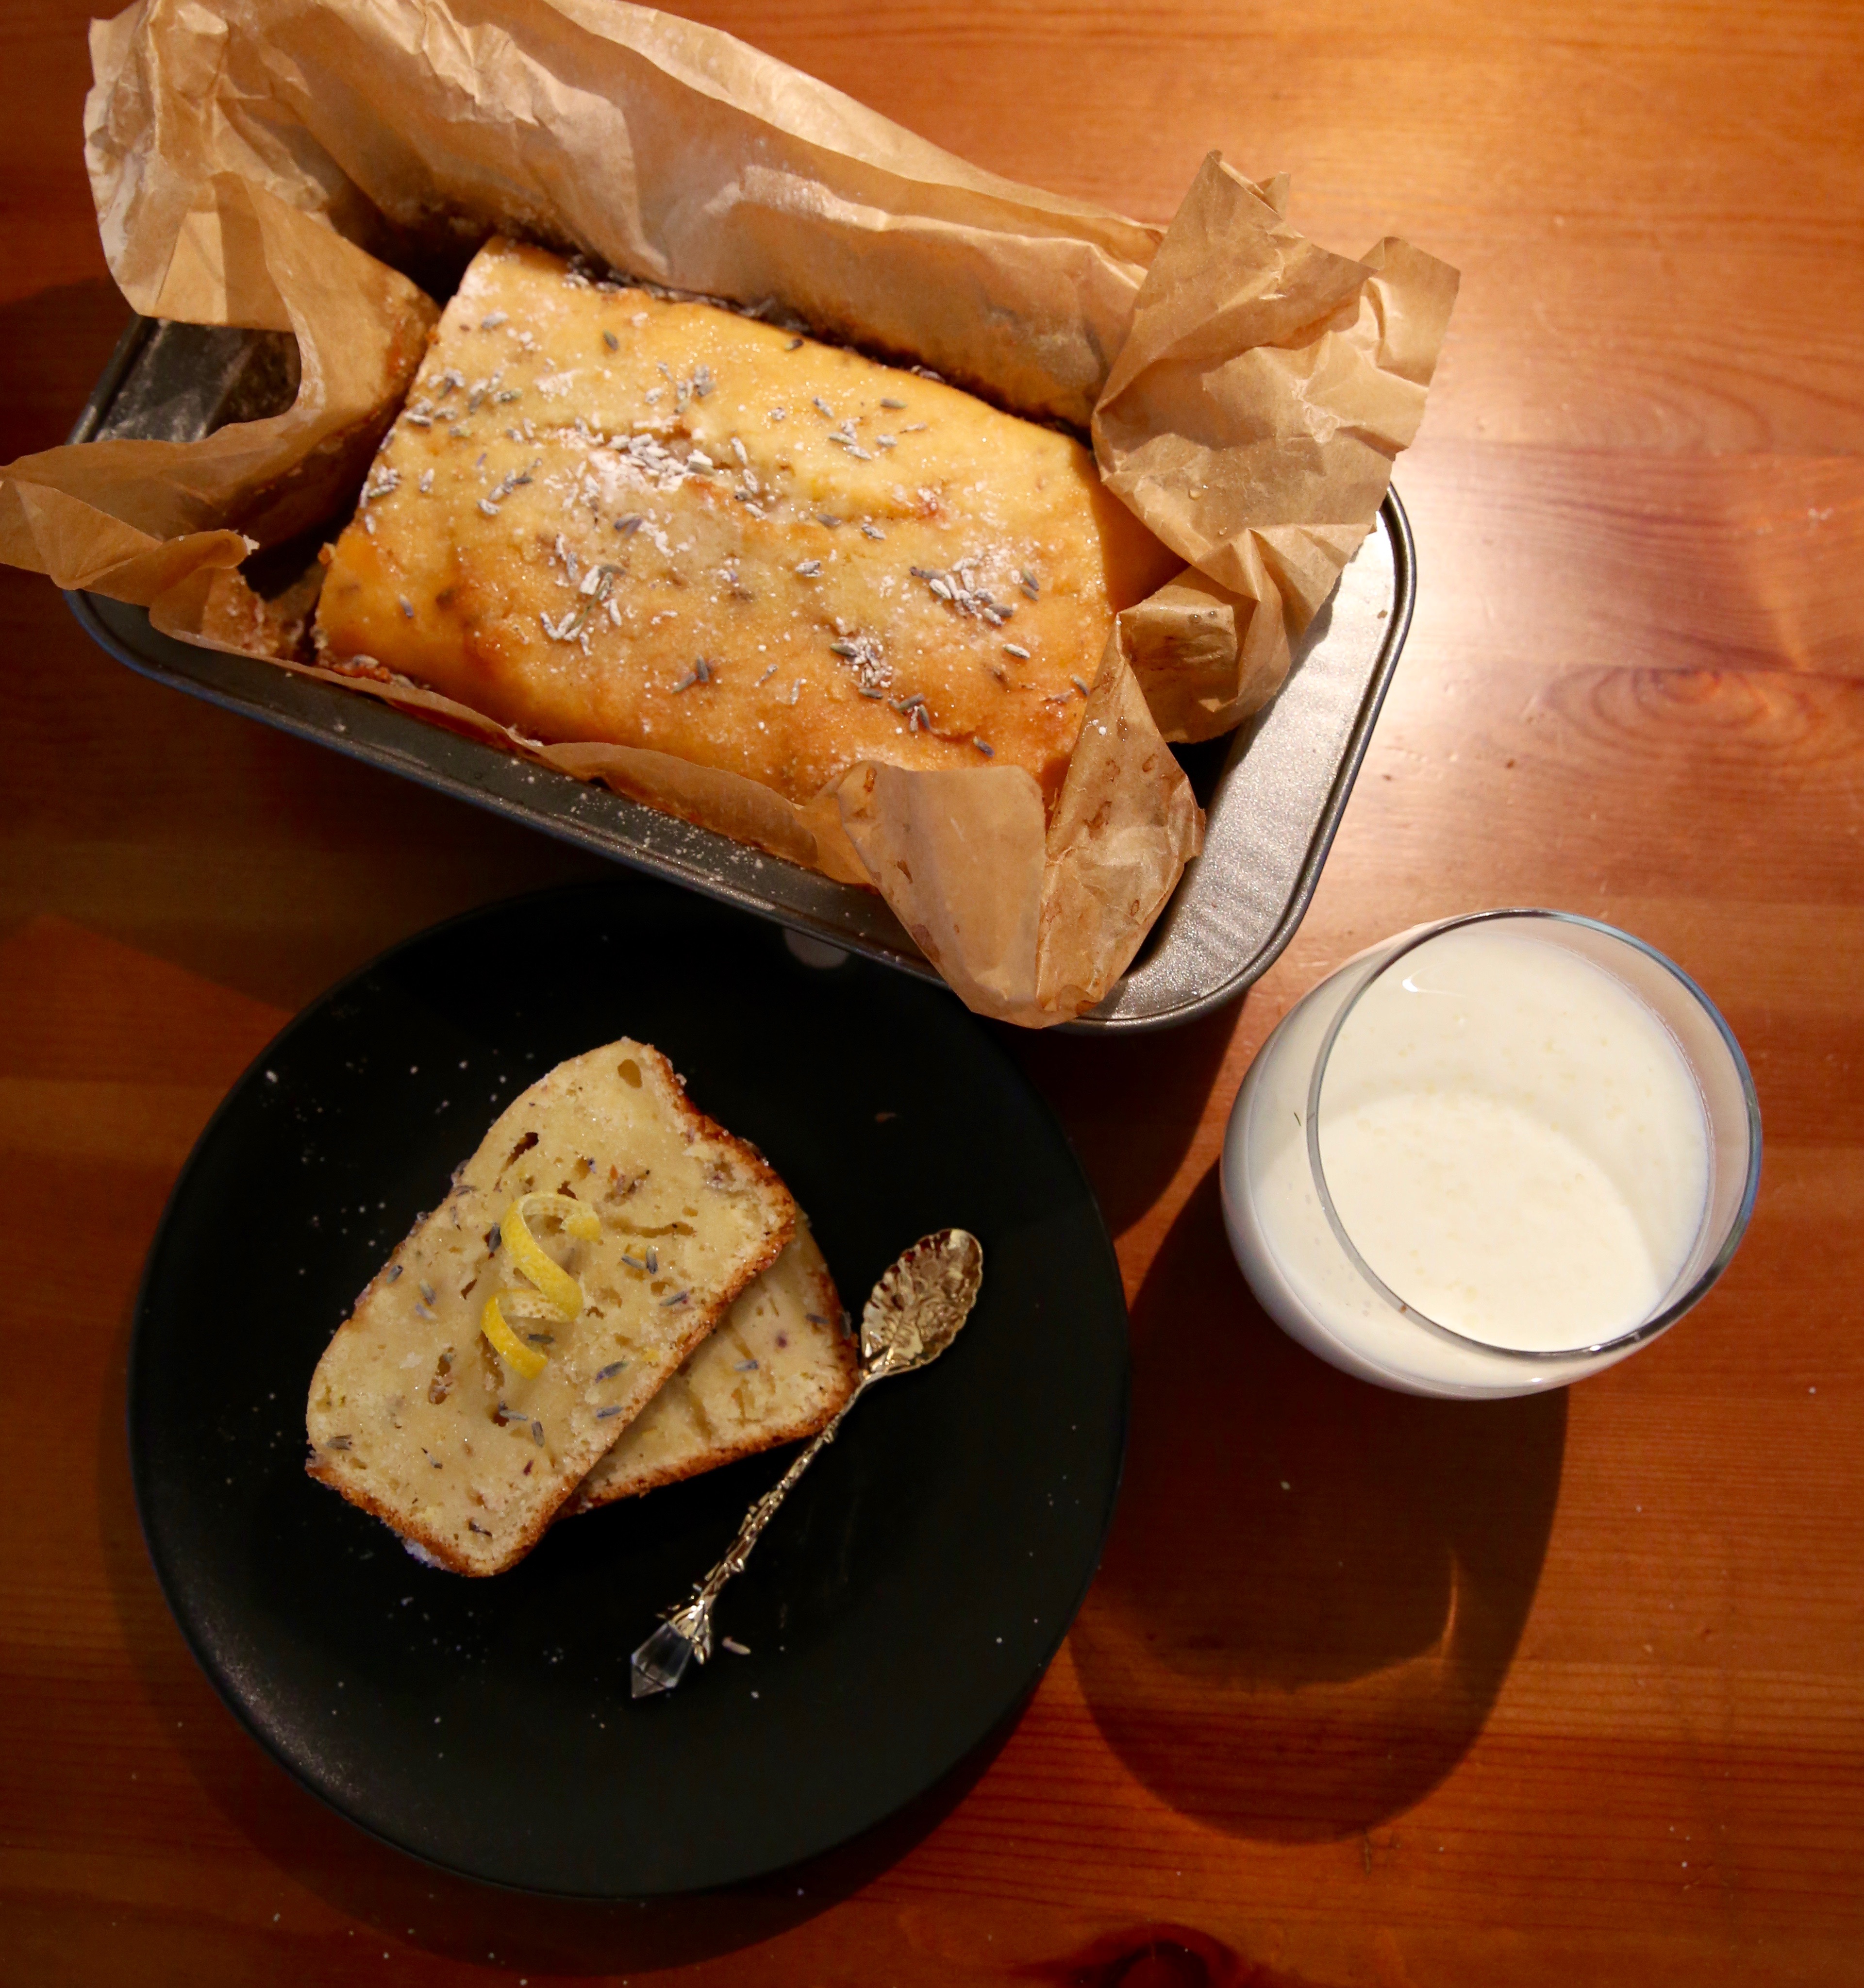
(1131,1104)
(415,1904)
(1313,1588)
(54,344)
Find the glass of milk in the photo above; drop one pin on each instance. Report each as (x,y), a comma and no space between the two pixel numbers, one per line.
(1492,1155)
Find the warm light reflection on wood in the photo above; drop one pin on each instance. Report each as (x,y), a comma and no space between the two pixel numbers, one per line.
(1545,1692)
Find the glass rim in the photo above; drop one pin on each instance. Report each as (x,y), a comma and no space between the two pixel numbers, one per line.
(1660,1321)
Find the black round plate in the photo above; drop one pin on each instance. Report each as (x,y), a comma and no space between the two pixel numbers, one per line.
(910,1593)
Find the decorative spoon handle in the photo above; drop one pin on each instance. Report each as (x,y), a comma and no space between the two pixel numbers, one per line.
(914,1314)
(661,1661)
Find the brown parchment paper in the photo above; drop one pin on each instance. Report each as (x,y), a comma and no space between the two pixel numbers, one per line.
(134,519)
(265,162)
(1250,421)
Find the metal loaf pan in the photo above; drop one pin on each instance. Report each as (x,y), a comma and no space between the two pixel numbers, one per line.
(1275,791)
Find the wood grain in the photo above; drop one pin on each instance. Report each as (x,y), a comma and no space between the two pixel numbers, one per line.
(1370,1691)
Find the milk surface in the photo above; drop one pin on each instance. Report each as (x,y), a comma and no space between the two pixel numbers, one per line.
(1512,1140)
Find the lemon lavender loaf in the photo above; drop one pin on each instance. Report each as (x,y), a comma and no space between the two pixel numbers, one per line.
(605,516)
(602,1229)
(776,1369)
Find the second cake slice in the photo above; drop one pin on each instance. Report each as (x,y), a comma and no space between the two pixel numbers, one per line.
(779,1365)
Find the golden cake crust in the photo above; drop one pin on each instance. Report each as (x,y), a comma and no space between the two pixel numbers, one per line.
(603,516)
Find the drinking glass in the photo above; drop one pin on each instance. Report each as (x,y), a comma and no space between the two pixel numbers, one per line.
(1307,1270)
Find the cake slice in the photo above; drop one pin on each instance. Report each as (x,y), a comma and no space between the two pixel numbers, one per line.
(778,1367)
(603,1228)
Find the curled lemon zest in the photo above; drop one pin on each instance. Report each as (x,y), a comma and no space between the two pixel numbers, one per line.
(558,1295)
(521,1358)
(520,1301)
(527,1255)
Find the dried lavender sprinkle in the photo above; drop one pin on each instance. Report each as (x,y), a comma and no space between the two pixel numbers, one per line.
(609,1372)
(611,341)
(898,406)
(426,1290)
(1016,649)
(602,1415)
(653,1259)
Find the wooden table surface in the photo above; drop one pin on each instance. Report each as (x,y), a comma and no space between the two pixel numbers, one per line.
(1561,1690)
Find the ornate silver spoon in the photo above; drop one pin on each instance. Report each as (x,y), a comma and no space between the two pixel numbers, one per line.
(914,1314)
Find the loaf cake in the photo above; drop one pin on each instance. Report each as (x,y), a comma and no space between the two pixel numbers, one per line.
(607,516)
(603,1228)
(778,1367)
